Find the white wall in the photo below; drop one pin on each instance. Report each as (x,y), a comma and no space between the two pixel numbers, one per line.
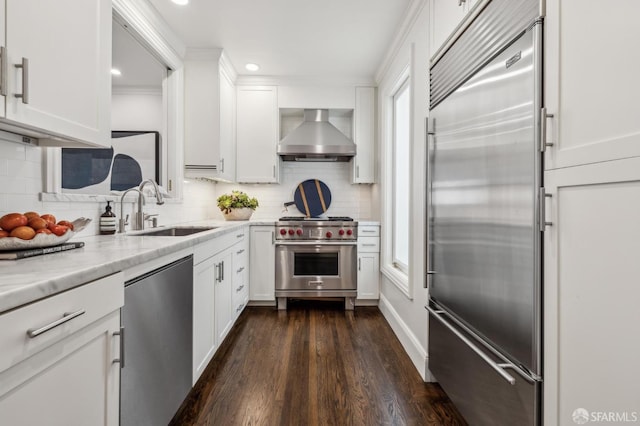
(346,199)
(407,315)
(141,110)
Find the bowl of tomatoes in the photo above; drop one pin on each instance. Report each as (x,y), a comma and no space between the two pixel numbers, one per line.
(31,230)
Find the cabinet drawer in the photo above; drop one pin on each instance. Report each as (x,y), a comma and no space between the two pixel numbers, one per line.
(216,245)
(368,231)
(368,245)
(52,319)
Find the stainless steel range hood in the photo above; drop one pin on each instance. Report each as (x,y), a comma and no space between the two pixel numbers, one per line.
(316,140)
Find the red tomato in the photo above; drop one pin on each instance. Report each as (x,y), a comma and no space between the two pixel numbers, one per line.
(59,230)
(66,223)
(49,218)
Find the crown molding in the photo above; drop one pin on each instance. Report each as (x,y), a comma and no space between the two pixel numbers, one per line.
(411,15)
(311,80)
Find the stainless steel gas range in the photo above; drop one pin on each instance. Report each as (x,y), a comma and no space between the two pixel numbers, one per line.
(316,257)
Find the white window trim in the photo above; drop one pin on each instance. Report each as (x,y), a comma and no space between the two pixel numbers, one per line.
(398,277)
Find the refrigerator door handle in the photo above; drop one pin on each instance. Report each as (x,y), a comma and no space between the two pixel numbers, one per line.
(499,368)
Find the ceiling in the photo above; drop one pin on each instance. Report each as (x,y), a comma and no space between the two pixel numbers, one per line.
(330,39)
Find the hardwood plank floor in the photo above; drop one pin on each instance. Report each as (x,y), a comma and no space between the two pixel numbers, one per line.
(314,364)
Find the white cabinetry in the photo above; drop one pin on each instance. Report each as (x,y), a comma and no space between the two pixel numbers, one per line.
(262,260)
(368,262)
(594,103)
(444,18)
(63,50)
(209,115)
(240,277)
(68,375)
(364,135)
(257,134)
(215,281)
(593,177)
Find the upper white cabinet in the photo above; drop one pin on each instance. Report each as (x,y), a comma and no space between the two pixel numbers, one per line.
(209,123)
(593,102)
(444,18)
(257,134)
(364,135)
(57,70)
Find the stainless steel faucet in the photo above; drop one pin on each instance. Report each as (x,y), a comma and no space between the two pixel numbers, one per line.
(140,217)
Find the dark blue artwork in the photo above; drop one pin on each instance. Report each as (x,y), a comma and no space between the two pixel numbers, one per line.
(133,157)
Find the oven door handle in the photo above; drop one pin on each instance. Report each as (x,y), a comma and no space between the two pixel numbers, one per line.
(316,243)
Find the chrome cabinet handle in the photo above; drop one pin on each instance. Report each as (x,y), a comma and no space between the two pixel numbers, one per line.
(357,171)
(35,332)
(222,165)
(273,237)
(542,204)
(239,235)
(121,359)
(25,81)
(3,71)
(217,272)
(544,116)
(499,368)
(222,271)
(368,245)
(274,170)
(240,251)
(239,289)
(240,270)
(367,231)
(239,308)
(359,264)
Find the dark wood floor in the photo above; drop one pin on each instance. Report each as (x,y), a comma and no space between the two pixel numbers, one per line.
(314,364)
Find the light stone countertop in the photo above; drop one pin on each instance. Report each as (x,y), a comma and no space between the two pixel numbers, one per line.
(26,280)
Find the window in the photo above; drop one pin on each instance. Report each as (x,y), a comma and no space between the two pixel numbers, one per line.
(400,177)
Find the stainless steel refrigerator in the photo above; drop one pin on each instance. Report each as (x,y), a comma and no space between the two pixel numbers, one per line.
(484,236)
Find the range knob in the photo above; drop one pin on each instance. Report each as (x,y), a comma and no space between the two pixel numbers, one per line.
(349,232)
(290,231)
(283,232)
(329,234)
(299,231)
(341,232)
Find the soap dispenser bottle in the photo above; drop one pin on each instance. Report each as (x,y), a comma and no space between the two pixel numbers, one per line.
(108,221)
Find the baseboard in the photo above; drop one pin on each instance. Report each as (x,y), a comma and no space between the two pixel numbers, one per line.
(408,340)
(366,302)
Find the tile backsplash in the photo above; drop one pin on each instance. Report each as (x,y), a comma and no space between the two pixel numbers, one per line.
(22,181)
(346,199)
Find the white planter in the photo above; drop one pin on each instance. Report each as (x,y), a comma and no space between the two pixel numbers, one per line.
(238,214)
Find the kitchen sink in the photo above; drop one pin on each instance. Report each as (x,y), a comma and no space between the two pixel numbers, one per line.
(180,231)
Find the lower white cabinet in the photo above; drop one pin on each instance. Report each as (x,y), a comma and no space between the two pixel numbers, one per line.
(69,374)
(368,262)
(216,301)
(263,258)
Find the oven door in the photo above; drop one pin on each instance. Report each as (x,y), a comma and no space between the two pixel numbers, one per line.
(315,266)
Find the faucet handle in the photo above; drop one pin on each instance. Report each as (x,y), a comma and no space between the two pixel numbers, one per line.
(153,218)
(122,224)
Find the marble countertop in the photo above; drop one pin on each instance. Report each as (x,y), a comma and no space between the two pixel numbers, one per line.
(26,280)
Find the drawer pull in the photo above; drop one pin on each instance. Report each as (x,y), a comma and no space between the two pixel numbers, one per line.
(368,231)
(121,359)
(240,251)
(239,308)
(239,288)
(240,270)
(368,245)
(65,318)
(239,235)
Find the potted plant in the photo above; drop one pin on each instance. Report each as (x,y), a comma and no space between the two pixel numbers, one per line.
(237,205)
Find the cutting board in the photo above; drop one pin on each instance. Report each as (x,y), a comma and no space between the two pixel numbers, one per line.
(312,197)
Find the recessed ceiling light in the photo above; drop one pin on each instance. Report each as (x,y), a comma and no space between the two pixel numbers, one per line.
(181,2)
(116,71)
(252,67)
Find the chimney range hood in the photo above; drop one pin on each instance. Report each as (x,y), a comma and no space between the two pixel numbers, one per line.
(316,140)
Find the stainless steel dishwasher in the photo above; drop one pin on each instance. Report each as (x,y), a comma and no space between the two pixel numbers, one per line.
(157,320)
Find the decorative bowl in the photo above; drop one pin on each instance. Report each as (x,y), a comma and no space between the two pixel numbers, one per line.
(43,240)
(243,213)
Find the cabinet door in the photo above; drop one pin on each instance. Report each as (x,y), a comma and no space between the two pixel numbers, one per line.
(204,334)
(73,382)
(223,301)
(364,135)
(3,45)
(257,135)
(368,276)
(201,117)
(593,99)
(444,17)
(67,84)
(591,294)
(227,164)
(262,258)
